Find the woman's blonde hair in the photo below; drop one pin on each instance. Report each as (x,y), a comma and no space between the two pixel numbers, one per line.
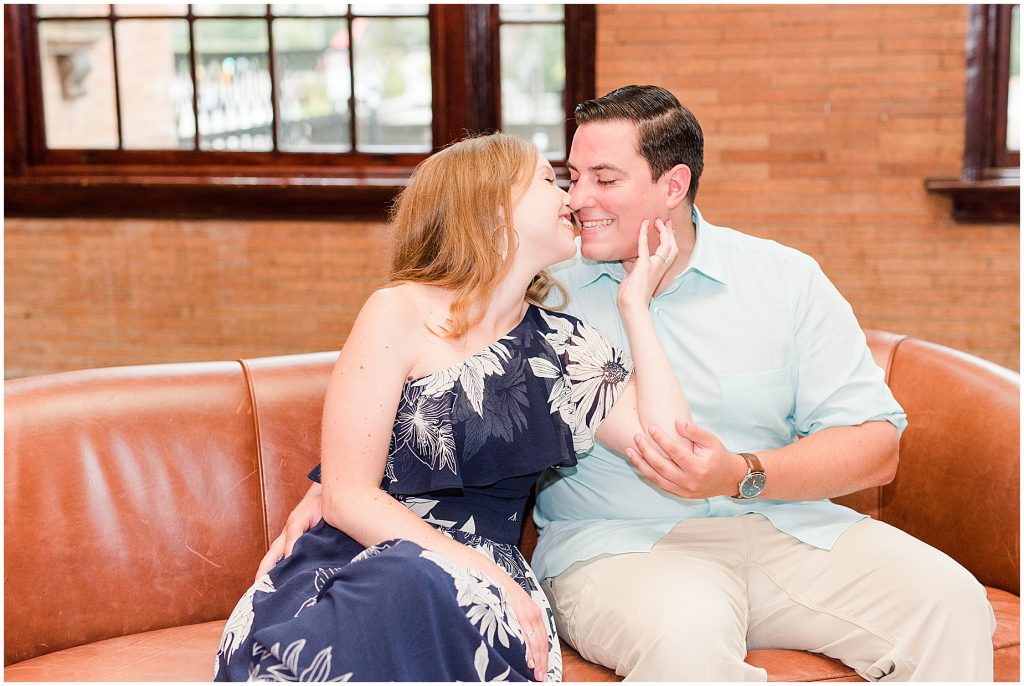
(452,225)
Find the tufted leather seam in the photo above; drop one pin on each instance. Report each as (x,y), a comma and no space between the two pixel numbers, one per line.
(259,452)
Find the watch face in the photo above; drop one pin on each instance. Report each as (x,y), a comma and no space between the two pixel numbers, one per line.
(752,485)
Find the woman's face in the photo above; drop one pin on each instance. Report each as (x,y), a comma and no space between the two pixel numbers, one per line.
(542,219)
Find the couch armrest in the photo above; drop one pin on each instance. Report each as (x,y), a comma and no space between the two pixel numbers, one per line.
(958,483)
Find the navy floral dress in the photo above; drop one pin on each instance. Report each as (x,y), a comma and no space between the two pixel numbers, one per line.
(467,447)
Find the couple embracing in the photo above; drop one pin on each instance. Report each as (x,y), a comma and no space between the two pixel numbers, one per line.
(652,386)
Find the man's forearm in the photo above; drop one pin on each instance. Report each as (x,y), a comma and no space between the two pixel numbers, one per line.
(832,462)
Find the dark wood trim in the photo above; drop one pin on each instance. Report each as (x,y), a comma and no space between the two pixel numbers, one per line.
(988,188)
(198,198)
(982,201)
(483,105)
(1001,156)
(580,50)
(978,106)
(16,127)
(272,185)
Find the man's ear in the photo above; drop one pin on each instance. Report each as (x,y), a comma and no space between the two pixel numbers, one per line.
(678,178)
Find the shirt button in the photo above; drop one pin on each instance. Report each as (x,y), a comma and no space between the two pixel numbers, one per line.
(657,310)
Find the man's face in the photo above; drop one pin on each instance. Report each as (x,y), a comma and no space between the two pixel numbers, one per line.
(612,191)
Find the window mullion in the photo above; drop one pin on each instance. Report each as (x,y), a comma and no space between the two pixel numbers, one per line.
(112,25)
(351,78)
(191,18)
(275,114)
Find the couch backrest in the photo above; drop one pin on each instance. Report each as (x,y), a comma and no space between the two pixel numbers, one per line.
(139,498)
(132,501)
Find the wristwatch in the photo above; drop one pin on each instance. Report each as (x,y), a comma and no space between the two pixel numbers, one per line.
(755,480)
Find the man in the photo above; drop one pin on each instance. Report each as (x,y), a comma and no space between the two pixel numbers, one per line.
(715,536)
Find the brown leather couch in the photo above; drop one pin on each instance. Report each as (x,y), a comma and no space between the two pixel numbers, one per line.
(139,501)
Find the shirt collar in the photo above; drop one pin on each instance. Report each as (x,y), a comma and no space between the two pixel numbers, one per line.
(705,258)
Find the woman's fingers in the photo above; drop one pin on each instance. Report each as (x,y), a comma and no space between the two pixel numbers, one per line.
(537,650)
(667,248)
(275,553)
(643,249)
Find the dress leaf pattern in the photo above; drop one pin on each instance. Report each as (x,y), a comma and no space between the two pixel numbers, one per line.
(423,425)
(240,622)
(467,446)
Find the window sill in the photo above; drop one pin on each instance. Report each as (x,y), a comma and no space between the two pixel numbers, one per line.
(201,197)
(986,200)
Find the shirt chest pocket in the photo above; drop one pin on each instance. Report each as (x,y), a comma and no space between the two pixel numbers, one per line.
(761,400)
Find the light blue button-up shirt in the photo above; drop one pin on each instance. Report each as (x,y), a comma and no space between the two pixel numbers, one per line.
(766,350)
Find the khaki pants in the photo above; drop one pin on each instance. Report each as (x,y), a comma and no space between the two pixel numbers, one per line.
(881,601)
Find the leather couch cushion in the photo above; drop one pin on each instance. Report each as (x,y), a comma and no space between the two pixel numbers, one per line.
(186,654)
(182,653)
(133,502)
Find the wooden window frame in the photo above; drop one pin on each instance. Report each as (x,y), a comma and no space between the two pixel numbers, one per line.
(988,188)
(40,182)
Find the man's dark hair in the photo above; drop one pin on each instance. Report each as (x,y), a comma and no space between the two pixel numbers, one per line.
(667,133)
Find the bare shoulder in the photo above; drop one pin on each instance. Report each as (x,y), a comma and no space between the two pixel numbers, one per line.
(393,310)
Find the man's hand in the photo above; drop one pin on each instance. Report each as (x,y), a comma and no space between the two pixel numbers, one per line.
(304,517)
(706,470)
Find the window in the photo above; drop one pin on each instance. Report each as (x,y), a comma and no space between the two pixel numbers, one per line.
(988,188)
(271,109)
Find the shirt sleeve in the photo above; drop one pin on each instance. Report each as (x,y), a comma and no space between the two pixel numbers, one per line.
(839,383)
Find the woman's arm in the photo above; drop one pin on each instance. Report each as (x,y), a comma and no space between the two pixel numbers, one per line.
(359,414)
(653,396)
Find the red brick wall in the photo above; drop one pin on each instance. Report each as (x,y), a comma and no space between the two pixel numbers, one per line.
(821,124)
(96,293)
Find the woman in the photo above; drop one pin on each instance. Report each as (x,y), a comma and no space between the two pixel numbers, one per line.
(453,392)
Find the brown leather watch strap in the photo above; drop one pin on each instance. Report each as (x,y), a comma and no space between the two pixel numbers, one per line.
(753,463)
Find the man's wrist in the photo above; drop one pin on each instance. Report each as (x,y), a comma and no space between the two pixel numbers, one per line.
(737,471)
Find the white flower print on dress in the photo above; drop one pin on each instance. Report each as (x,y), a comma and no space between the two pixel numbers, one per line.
(481,659)
(561,331)
(320,579)
(423,425)
(421,507)
(597,374)
(470,373)
(288,668)
(484,599)
(560,402)
(239,624)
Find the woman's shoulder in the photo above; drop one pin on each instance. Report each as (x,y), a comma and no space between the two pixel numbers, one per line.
(392,308)
(408,307)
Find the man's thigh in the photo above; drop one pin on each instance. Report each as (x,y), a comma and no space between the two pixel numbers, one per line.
(678,611)
(873,601)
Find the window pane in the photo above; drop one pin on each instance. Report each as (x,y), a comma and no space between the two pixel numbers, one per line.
(284,9)
(66,10)
(233,73)
(215,10)
(533,83)
(531,12)
(156,89)
(1013,94)
(77,60)
(150,10)
(392,84)
(313,84)
(388,9)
